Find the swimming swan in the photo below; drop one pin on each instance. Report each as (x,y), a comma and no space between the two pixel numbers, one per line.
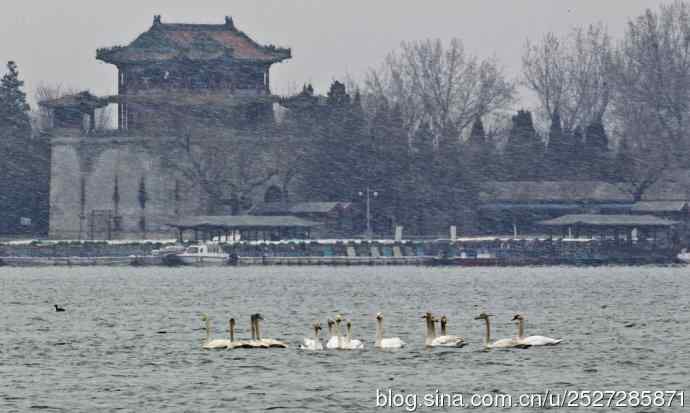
(209,344)
(235,344)
(333,339)
(340,341)
(532,340)
(503,343)
(254,343)
(269,342)
(444,340)
(349,343)
(385,343)
(313,343)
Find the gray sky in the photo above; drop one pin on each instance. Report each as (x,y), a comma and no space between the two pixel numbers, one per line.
(55,41)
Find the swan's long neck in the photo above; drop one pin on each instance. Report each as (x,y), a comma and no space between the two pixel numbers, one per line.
(337,331)
(232,332)
(258,331)
(487,337)
(433,329)
(330,330)
(208,329)
(253,329)
(316,335)
(521,327)
(429,335)
(349,334)
(379,332)
(444,328)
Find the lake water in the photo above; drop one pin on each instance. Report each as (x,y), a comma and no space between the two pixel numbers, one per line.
(130,338)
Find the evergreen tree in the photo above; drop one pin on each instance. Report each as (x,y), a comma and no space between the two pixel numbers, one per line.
(556,156)
(14,111)
(338,161)
(596,151)
(398,165)
(390,167)
(358,157)
(422,179)
(337,95)
(524,150)
(578,164)
(625,159)
(478,154)
(24,162)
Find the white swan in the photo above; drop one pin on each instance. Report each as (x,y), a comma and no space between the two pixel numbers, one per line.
(444,340)
(532,340)
(332,343)
(503,343)
(340,341)
(268,342)
(349,343)
(215,344)
(313,343)
(255,342)
(386,343)
(235,344)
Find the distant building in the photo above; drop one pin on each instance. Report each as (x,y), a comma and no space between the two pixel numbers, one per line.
(192,66)
(521,205)
(196,136)
(338,219)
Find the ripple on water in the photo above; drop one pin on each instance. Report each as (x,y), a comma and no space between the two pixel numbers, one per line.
(624,327)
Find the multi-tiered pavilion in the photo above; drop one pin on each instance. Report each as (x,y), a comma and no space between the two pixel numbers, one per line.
(192,67)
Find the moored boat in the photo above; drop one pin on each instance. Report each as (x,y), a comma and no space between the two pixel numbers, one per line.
(203,254)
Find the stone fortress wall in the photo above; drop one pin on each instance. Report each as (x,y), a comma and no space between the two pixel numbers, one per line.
(153,186)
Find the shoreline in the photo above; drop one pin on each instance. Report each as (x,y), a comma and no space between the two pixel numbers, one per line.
(462,252)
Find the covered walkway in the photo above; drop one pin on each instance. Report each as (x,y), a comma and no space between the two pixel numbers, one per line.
(620,228)
(244,227)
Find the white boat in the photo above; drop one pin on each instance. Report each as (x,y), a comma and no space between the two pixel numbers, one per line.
(170,249)
(204,254)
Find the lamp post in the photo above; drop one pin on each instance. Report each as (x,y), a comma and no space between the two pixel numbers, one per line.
(369,193)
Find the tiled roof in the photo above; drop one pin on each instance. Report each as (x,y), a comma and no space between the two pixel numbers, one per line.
(552,191)
(81,99)
(194,42)
(243,221)
(659,206)
(609,221)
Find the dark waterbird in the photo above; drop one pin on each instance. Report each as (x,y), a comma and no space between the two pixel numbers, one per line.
(58,308)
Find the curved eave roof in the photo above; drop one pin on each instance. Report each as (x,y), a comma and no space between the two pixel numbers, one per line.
(78,100)
(195,42)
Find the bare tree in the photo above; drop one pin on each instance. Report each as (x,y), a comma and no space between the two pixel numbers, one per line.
(652,74)
(651,95)
(642,159)
(570,74)
(225,169)
(443,86)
